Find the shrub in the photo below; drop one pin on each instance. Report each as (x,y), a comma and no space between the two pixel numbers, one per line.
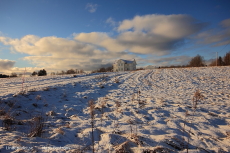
(71,71)
(42,72)
(4,76)
(34,73)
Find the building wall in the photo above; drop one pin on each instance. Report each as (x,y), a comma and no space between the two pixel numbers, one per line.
(121,66)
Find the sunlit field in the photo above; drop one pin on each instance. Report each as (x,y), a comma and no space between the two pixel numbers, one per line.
(160,110)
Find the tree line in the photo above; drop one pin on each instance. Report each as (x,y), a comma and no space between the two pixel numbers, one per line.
(70,71)
(197,61)
(103,69)
(9,76)
(222,61)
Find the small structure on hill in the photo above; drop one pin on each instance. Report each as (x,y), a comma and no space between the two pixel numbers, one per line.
(124,65)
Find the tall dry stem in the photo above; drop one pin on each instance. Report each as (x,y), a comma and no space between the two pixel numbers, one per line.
(197,97)
(92,114)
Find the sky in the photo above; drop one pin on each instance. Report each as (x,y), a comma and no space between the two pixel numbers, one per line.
(79,34)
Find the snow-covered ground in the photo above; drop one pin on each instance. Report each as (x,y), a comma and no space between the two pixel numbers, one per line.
(142,111)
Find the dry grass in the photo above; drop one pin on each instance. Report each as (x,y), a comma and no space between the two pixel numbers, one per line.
(122,148)
(10,104)
(196,98)
(50,113)
(22,93)
(135,138)
(8,121)
(2,112)
(32,90)
(38,97)
(60,131)
(116,80)
(157,149)
(117,105)
(37,126)
(103,105)
(142,103)
(46,89)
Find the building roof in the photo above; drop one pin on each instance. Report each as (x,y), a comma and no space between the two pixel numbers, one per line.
(126,61)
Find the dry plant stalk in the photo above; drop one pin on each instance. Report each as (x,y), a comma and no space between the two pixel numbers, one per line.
(92,114)
(37,126)
(196,98)
(103,105)
(135,138)
(60,131)
(116,80)
(133,97)
(123,147)
(117,104)
(38,97)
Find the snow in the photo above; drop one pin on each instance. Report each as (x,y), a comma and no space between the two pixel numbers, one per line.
(136,111)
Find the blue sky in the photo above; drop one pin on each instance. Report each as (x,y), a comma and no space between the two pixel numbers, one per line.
(59,35)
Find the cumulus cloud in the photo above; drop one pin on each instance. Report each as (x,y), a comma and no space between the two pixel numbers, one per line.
(168,26)
(91,7)
(57,53)
(6,64)
(102,40)
(218,36)
(149,34)
(157,34)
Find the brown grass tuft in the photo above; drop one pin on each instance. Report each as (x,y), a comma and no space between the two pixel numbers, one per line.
(196,98)
(36,126)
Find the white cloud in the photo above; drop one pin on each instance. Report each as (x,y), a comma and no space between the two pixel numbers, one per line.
(218,36)
(6,64)
(102,40)
(225,23)
(111,22)
(168,26)
(157,34)
(150,35)
(56,53)
(91,7)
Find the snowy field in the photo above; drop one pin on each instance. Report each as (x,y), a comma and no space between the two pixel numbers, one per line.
(161,110)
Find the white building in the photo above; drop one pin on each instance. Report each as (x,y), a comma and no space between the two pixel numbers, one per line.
(124,65)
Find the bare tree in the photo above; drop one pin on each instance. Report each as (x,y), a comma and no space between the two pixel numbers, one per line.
(70,71)
(197,61)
